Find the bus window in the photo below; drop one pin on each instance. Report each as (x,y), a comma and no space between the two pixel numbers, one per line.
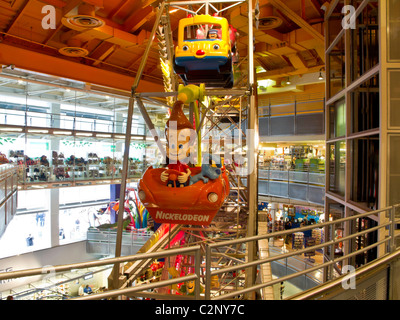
(200,32)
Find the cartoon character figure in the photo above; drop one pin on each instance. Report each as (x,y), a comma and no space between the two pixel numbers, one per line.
(189,287)
(180,137)
(208,172)
(212,34)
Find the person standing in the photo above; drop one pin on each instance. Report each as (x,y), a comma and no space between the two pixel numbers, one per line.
(29,241)
(87,290)
(282,289)
(288,225)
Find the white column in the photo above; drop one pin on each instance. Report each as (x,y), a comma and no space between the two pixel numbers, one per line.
(54,194)
(55,115)
(119,118)
(54,208)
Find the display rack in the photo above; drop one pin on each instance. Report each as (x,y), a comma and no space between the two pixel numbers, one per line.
(298,240)
(309,242)
(318,235)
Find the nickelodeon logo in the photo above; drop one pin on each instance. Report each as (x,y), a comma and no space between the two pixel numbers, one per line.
(181,216)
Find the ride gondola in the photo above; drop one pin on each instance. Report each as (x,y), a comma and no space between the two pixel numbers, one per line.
(204,51)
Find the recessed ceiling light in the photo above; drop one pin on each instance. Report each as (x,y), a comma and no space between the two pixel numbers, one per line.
(11,129)
(38,131)
(84,134)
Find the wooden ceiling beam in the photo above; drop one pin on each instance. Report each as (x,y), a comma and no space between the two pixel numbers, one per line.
(102,52)
(17,16)
(278,4)
(317,6)
(285,19)
(331,8)
(56,3)
(137,19)
(123,10)
(70,5)
(59,67)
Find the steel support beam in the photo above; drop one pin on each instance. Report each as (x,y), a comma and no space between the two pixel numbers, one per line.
(116,273)
(252,162)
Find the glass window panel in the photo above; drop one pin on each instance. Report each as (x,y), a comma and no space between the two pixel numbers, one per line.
(337,119)
(394,99)
(336,60)
(365,171)
(337,167)
(394,170)
(365,41)
(365,105)
(37,119)
(393,30)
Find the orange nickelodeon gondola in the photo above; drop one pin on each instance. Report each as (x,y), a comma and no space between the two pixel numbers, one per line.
(195,204)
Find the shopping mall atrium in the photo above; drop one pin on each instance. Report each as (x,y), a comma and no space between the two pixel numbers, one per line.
(253,144)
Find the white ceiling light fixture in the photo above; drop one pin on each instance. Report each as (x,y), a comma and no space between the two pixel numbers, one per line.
(62,132)
(320,74)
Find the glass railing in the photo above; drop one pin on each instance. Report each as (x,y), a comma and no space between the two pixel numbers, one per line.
(309,176)
(66,122)
(103,241)
(299,185)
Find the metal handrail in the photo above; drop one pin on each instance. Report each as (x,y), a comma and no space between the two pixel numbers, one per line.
(73,120)
(96,263)
(289,277)
(209,273)
(126,291)
(209,248)
(143,287)
(309,294)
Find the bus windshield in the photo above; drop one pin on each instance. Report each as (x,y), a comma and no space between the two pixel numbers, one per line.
(202,32)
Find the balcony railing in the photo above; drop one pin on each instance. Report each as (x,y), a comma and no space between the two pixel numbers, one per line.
(30,175)
(103,241)
(67,122)
(306,186)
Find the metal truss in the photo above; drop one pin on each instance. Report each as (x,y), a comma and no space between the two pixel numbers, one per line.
(223,111)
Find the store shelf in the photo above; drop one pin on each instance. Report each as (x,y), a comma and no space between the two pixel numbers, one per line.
(73,175)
